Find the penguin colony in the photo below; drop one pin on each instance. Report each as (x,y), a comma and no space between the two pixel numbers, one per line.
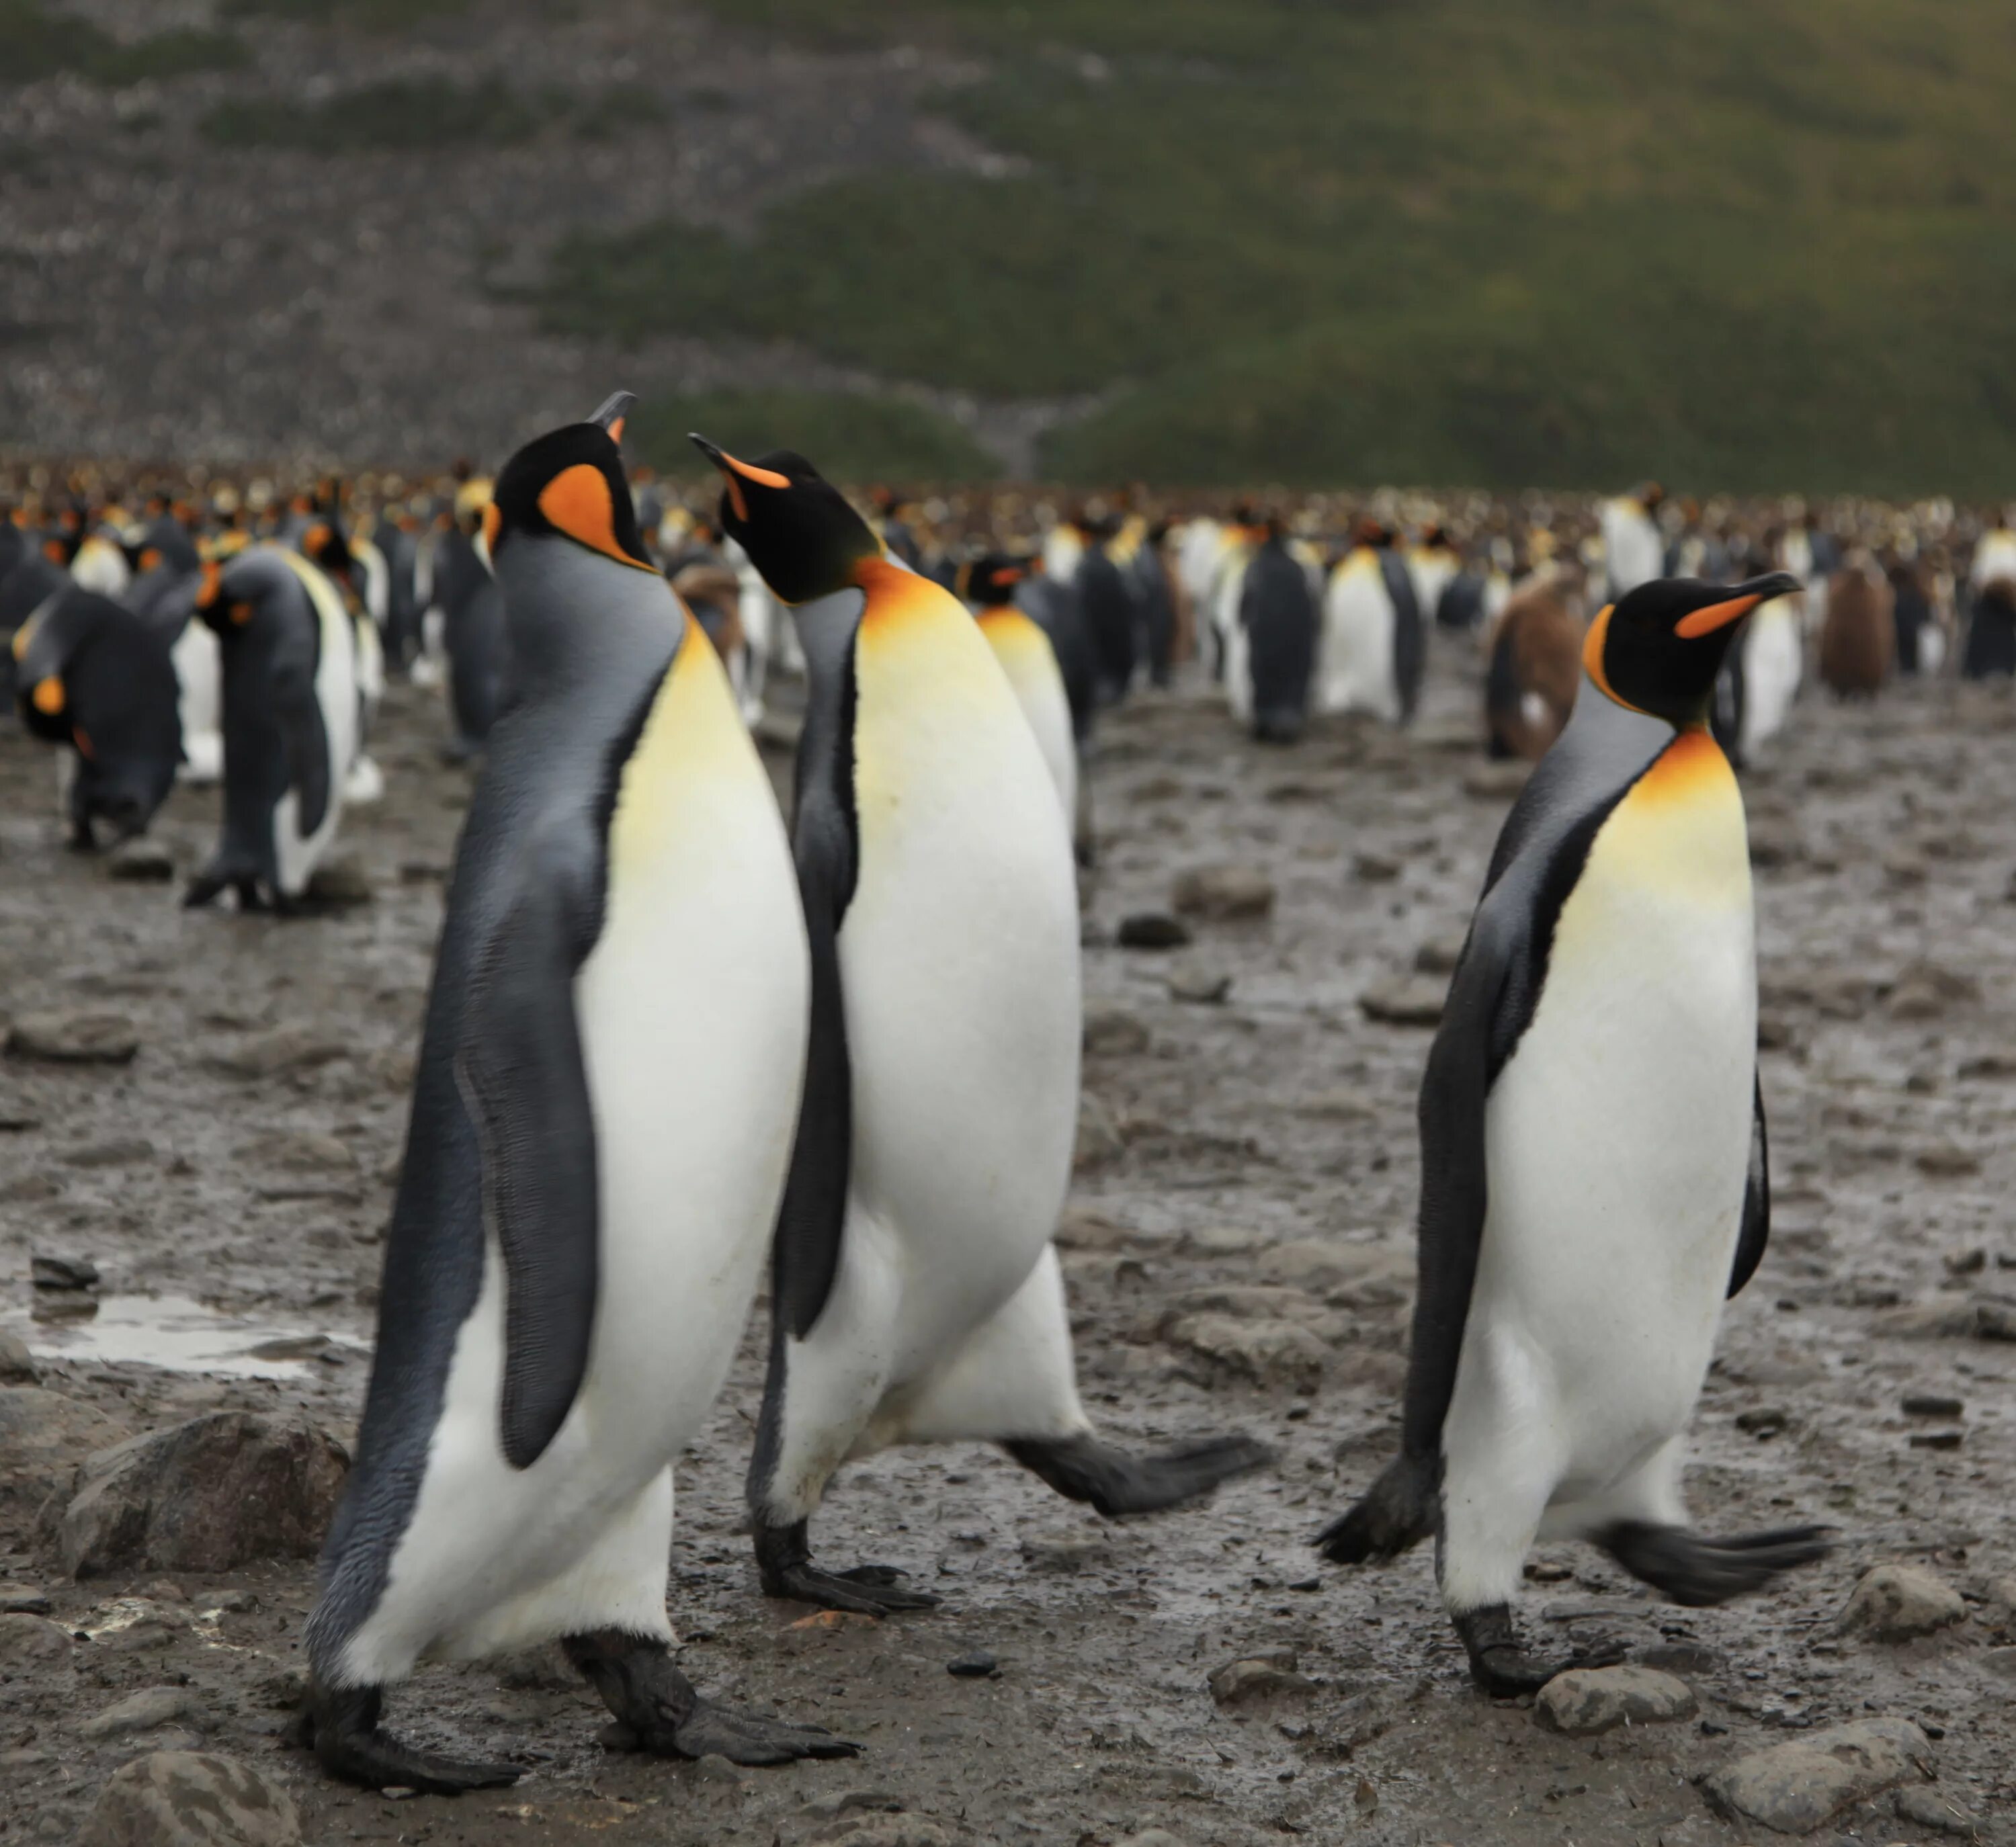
(875,1098)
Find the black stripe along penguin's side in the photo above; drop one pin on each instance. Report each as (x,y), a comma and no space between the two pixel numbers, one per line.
(916,1295)
(602,1123)
(1595,1181)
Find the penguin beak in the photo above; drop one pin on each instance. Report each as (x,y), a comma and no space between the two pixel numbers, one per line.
(731,469)
(615,412)
(1696,623)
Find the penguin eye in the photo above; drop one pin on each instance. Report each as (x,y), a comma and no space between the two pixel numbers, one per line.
(577,501)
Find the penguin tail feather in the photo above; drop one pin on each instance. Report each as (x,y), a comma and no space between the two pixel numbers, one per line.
(1402,1507)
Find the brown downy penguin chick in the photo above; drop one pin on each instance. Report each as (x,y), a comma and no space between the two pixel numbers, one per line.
(1859,638)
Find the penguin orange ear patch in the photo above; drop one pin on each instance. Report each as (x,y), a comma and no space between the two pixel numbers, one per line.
(577,501)
(212,584)
(48,696)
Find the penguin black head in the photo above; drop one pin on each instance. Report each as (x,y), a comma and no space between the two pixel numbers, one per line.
(799,530)
(1658,648)
(990,581)
(570,484)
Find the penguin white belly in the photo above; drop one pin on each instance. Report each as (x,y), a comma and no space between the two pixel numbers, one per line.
(960,964)
(1025,655)
(1616,1142)
(1773,658)
(198,674)
(1356,661)
(692,1011)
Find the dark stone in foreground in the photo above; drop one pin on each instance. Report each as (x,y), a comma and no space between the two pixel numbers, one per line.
(978,1665)
(1152,930)
(206,1496)
(73,1038)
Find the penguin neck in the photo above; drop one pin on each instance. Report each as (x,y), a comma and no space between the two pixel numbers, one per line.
(825,627)
(1600,727)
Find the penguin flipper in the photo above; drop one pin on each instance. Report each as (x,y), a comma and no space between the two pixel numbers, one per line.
(1756,1231)
(525,1079)
(305,741)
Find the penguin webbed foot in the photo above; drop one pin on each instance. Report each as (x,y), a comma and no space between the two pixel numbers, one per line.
(1698,1571)
(784,1561)
(1116,1484)
(342,1729)
(1402,1508)
(657,1705)
(1504,1666)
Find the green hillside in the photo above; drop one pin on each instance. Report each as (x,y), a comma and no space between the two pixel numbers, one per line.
(1753,247)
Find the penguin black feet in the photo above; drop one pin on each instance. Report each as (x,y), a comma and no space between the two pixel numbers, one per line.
(783,1561)
(1402,1508)
(1696,1571)
(658,1705)
(1082,1468)
(341,1728)
(1502,1665)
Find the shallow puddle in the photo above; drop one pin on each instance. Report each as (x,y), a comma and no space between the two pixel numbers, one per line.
(171,1331)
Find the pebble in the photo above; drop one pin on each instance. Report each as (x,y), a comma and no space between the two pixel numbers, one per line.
(17,1364)
(1584,1702)
(1099,1137)
(62,1272)
(1796,1788)
(1947,1161)
(892,1831)
(1254,1678)
(1374,868)
(341,882)
(299,1151)
(73,1038)
(2001,1661)
(1200,983)
(1765,1421)
(852,1802)
(141,862)
(147,1711)
(1273,1353)
(186,1798)
(22,1600)
(1411,1000)
(1496,781)
(977,1665)
(1222,894)
(715,1768)
(206,1496)
(1898,1603)
(1938,1439)
(119,1153)
(25,1638)
(1152,1836)
(276,1052)
(1112,1033)
(1152,930)
(1931,1404)
(1932,1808)
(1439,956)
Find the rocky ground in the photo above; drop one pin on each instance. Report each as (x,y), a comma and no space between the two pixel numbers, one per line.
(163,298)
(1238,1249)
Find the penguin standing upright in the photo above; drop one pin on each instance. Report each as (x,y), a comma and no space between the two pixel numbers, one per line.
(1535,670)
(93,677)
(602,1120)
(1270,654)
(474,638)
(1372,651)
(1111,614)
(1858,631)
(1634,550)
(290,724)
(1029,659)
(916,1295)
(1594,1174)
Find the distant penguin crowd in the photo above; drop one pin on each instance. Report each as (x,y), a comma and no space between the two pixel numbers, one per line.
(871,1104)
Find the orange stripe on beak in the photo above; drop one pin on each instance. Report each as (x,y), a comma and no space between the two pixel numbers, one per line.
(763,477)
(1696,623)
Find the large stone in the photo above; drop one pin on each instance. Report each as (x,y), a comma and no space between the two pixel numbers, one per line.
(277,1053)
(1898,1603)
(1263,1352)
(17,1364)
(73,1038)
(206,1496)
(25,1640)
(43,1438)
(148,1710)
(1223,893)
(1585,1701)
(1412,1000)
(1935,1809)
(1794,1788)
(188,1799)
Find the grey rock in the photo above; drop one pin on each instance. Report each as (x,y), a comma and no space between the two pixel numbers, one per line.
(276,1052)
(1152,1836)
(44,1436)
(853,1802)
(1259,1680)
(1935,1809)
(206,1496)
(1926,1321)
(1496,781)
(1439,956)
(1931,1404)
(1898,1602)
(299,1151)
(976,1663)
(148,1710)
(46,1272)
(1794,1788)
(141,862)
(17,1364)
(124,1151)
(1412,1000)
(1111,1033)
(24,1639)
(22,1600)
(1587,1702)
(887,1830)
(341,882)
(1152,930)
(1272,1353)
(1099,1136)
(1200,983)
(73,1038)
(713,1768)
(2001,1663)
(1947,1161)
(1222,894)
(186,1798)
(1374,868)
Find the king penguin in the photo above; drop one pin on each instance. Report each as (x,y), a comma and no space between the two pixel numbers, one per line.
(599,1136)
(1595,1175)
(916,1295)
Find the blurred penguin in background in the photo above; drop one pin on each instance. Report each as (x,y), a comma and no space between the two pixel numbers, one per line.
(1858,634)
(1271,654)
(1991,628)
(1633,549)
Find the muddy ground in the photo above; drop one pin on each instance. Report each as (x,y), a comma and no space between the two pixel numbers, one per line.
(1222,1138)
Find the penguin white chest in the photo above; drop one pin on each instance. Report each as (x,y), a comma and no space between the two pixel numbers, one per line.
(1618,1134)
